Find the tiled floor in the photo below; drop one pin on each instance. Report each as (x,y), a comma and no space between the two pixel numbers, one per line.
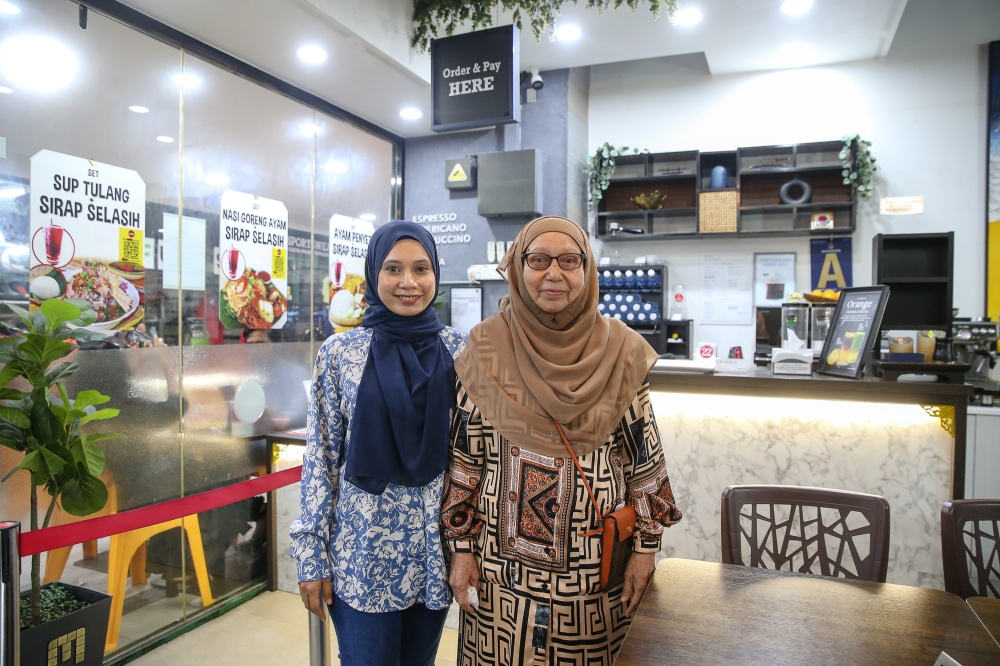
(271,629)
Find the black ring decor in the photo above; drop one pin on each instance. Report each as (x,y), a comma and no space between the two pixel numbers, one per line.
(794,187)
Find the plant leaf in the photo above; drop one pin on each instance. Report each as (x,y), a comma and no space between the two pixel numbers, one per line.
(88,454)
(61,372)
(100,415)
(84,495)
(10,372)
(58,312)
(22,313)
(85,399)
(15,417)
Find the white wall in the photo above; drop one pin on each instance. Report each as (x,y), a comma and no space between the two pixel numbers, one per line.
(923,107)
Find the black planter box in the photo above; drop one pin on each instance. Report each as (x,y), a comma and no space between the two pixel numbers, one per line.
(76,638)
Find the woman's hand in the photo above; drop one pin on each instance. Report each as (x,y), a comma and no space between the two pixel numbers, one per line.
(637,574)
(464,574)
(316,593)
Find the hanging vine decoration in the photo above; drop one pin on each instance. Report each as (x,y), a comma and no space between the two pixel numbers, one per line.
(430,15)
(858,173)
(599,169)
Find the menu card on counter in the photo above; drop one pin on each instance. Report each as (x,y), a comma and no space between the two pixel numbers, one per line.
(856,323)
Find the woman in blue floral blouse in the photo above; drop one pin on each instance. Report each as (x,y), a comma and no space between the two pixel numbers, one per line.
(367,541)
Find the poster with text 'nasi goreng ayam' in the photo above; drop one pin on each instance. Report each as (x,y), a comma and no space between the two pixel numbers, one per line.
(253,251)
(87,224)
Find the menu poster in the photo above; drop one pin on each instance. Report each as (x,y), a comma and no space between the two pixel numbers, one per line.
(87,226)
(856,324)
(773,278)
(349,240)
(253,251)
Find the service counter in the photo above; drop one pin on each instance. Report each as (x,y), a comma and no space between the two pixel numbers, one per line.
(902,440)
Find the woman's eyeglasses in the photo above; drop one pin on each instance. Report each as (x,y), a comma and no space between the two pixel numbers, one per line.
(539,262)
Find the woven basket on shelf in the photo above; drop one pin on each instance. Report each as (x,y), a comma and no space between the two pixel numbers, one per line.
(717,211)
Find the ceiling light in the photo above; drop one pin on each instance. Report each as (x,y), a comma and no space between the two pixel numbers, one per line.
(335,167)
(312,55)
(310,128)
(687,17)
(165,139)
(37,63)
(9,8)
(796,7)
(568,33)
(189,80)
(411,113)
(367,217)
(138,109)
(217,179)
(12,192)
(4,90)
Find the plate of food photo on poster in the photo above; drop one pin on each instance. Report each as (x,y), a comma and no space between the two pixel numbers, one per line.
(856,324)
(349,240)
(253,253)
(87,224)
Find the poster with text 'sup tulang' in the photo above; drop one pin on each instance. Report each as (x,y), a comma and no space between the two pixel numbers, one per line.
(87,225)
(349,240)
(253,251)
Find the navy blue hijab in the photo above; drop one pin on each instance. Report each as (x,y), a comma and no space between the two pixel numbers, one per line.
(399,432)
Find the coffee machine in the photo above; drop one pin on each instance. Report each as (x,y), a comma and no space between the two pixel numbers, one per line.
(975,342)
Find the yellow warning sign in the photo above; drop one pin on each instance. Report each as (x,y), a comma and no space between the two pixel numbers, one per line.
(457,174)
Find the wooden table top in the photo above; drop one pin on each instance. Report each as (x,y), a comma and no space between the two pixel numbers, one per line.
(988,612)
(698,613)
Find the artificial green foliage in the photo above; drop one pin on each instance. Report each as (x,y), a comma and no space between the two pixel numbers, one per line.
(431,15)
(55,602)
(44,424)
(599,169)
(858,171)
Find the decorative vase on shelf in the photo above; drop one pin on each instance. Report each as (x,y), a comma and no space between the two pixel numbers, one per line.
(720,177)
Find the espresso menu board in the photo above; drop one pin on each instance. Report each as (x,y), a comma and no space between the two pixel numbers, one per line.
(349,239)
(253,251)
(854,330)
(87,224)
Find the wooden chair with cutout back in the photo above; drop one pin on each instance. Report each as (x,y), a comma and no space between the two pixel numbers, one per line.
(970,547)
(818,531)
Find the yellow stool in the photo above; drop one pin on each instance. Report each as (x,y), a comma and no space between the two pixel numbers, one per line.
(125,545)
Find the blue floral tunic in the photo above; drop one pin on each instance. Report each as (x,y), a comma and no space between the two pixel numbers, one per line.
(383,552)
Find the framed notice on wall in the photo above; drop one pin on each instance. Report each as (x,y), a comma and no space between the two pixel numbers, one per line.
(854,330)
(474,79)
(773,278)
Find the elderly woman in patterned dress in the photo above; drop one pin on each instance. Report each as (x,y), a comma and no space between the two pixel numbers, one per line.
(367,541)
(515,515)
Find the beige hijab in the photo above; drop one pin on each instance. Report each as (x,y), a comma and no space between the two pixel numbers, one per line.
(522,366)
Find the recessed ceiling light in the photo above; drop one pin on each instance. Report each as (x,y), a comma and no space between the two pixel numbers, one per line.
(796,7)
(189,80)
(165,139)
(217,179)
(367,217)
(312,55)
(37,63)
(687,17)
(568,33)
(335,167)
(4,90)
(12,192)
(9,8)
(310,128)
(411,113)
(138,109)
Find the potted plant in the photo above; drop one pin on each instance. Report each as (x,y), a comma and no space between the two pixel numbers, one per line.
(45,424)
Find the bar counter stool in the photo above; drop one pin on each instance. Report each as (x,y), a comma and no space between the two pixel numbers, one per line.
(970,547)
(806,530)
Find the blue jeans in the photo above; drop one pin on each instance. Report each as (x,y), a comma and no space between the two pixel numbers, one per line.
(408,637)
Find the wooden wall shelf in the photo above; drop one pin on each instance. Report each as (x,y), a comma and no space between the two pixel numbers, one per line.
(757,173)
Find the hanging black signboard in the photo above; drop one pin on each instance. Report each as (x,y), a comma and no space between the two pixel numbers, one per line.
(854,331)
(474,79)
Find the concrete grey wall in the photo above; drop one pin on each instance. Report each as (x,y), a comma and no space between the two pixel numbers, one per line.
(544,127)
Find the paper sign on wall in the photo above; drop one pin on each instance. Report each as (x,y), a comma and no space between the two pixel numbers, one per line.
(253,242)
(830,263)
(901,205)
(773,278)
(348,248)
(87,235)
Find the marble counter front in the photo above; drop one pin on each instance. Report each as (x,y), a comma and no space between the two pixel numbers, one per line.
(874,437)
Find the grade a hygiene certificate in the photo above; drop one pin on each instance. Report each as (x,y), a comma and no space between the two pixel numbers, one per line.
(727,288)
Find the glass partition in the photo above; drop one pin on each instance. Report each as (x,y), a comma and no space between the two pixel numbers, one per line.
(201,140)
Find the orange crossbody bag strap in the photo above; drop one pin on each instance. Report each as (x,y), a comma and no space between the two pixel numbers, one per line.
(586,484)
